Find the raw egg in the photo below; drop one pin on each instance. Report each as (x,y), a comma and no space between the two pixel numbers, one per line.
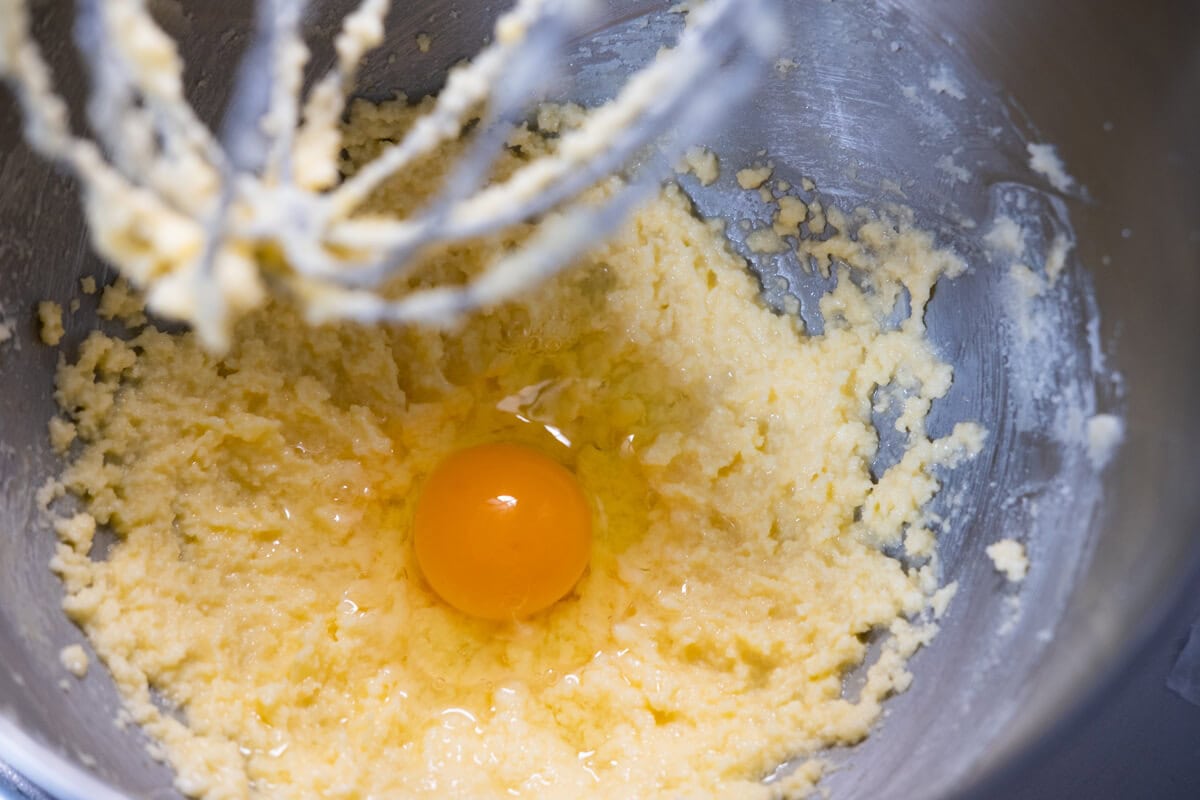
(502,531)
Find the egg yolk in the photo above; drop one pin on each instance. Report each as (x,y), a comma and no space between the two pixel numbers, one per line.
(502,531)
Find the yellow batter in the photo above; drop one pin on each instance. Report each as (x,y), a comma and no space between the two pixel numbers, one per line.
(264,582)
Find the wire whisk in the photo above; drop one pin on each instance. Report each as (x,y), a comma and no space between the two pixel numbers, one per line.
(185,213)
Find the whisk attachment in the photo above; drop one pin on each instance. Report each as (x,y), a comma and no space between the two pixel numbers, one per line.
(187,215)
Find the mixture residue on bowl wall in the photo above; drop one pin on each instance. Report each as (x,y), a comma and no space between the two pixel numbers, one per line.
(264,584)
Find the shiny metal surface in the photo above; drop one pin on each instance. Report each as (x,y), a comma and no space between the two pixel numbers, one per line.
(1116,93)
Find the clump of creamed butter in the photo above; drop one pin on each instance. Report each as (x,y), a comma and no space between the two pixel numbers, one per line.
(264,579)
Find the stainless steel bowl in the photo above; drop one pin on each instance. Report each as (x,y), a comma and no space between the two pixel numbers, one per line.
(1114,89)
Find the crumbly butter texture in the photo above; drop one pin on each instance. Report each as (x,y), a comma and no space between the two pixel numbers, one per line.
(50,322)
(1009,558)
(264,581)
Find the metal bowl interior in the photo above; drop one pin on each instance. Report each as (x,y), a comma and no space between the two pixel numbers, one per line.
(856,107)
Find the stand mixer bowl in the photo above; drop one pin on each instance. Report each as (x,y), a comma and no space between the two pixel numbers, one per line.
(928,105)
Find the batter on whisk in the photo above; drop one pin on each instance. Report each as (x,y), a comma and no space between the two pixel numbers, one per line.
(211,227)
